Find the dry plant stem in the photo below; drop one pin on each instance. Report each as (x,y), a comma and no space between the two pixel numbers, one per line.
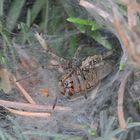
(128,43)
(29,114)
(25,93)
(41,40)
(121,91)
(27,76)
(32,107)
(133,9)
(93,7)
(55,102)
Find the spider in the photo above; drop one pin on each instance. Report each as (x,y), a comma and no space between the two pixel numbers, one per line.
(81,77)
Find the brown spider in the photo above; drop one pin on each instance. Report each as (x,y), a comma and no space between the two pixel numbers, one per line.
(82,77)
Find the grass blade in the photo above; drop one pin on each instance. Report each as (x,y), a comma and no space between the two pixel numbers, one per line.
(28,20)
(38,5)
(14,13)
(45,16)
(1,7)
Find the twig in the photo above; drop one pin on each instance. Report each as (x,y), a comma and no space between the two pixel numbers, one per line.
(121,91)
(92,7)
(29,114)
(27,76)
(44,43)
(127,41)
(41,40)
(24,92)
(32,107)
(55,102)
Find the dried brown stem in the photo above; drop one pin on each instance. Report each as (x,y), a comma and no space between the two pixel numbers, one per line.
(127,41)
(32,107)
(55,102)
(29,114)
(93,7)
(25,93)
(27,76)
(121,91)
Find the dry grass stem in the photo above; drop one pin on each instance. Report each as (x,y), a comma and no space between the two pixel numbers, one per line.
(25,93)
(121,91)
(101,12)
(32,107)
(29,114)
(127,41)
(41,40)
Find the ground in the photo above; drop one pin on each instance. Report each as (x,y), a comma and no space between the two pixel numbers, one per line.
(85,118)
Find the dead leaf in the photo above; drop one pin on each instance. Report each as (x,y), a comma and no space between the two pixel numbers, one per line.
(42,41)
(44,92)
(54,62)
(5,80)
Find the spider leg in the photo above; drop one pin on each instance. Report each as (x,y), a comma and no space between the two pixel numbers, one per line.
(79,88)
(67,76)
(62,87)
(85,82)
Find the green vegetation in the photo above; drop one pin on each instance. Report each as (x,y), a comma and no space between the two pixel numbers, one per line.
(122,66)
(82,23)
(94,31)
(39,13)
